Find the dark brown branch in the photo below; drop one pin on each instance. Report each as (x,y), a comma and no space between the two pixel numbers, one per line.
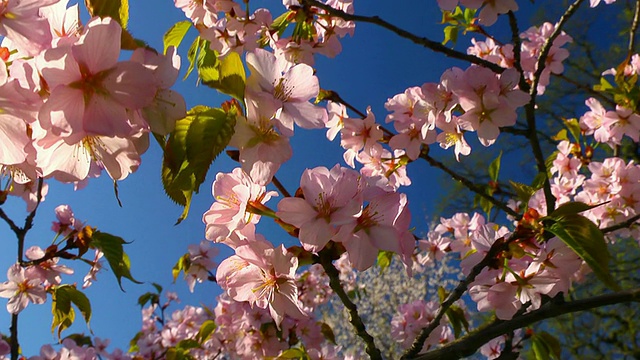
(633,30)
(423,41)
(280,187)
(530,107)
(622,225)
(469,344)
(324,258)
(15,347)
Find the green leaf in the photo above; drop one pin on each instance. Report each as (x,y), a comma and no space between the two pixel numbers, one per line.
(128,42)
(293,353)
(457,319)
(545,346)
(118,260)
(182,265)
(450,34)
(208,63)
(570,208)
(384,259)
(192,55)
(327,332)
(574,128)
(158,287)
(148,298)
(115,9)
(187,344)
(603,86)
(191,149)
(281,22)
(63,314)
(494,168)
(206,329)
(523,191)
(586,240)
(232,77)
(79,339)
(174,36)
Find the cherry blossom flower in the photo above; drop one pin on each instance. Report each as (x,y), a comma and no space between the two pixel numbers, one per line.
(21,23)
(233,193)
(49,271)
(24,286)
(264,276)
(90,89)
(331,199)
(292,86)
(262,148)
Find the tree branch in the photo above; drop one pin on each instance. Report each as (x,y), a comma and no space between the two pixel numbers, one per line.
(470,185)
(469,344)
(324,259)
(530,107)
(423,41)
(632,31)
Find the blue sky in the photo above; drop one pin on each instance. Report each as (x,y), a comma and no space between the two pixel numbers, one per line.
(374,66)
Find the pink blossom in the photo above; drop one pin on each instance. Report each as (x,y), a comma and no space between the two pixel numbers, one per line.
(96,266)
(49,271)
(233,193)
(262,148)
(90,89)
(331,199)
(292,86)
(264,276)
(167,106)
(594,3)
(21,23)
(374,230)
(361,134)
(23,286)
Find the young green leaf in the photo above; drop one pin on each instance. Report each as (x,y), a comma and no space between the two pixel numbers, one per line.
(115,9)
(494,168)
(523,191)
(586,240)
(118,260)
(174,36)
(191,149)
(545,346)
(570,208)
(231,77)
(206,329)
(384,259)
(208,63)
(63,314)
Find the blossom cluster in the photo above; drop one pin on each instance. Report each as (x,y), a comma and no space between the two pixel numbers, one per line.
(29,283)
(65,95)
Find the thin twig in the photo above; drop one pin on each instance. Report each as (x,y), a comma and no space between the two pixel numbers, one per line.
(587,88)
(324,258)
(622,225)
(530,107)
(632,31)
(517,50)
(468,345)
(470,185)
(423,41)
(28,222)
(280,187)
(10,222)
